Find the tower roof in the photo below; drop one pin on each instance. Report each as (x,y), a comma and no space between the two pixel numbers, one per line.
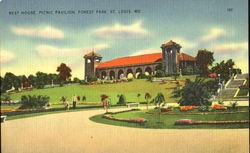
(170,43)
(92,54)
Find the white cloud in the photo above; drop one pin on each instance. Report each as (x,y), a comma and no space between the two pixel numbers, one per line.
(45,32)
(146,51)
(6,56)
(52,51)
(231,47)
(186,44)
(119,31)
(214,33)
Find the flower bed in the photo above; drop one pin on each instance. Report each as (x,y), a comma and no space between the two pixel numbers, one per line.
(87,103)
(10,102)
(219,107)
(135,120)
(244,86)
(109,81)
(166,109)
(185,108)
(190,122)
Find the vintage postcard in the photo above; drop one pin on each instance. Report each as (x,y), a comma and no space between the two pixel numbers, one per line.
(124,76)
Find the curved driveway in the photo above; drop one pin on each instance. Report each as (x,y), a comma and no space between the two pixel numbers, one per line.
(73,132)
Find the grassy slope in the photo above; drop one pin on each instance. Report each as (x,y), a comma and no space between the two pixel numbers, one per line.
(93,92)
(167,121)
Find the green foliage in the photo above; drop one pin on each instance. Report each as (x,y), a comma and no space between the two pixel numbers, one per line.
(10,80)
(5,98)
(203,108)
(233,104)
(91,78)
(122,99)
(212,86)
(150,78)
(34,101)
(142,76)
(204,58)
(225,69)
(76,80)
(84,98)
(41,79)
(160,73)
(194,93)
(221,102)
(159,100)
(147,97)
(189,70)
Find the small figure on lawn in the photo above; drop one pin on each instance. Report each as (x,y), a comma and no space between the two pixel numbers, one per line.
(105,103)
(67,105)
(74,102)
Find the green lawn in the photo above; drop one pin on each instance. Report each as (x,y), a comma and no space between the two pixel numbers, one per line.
(167,121)
(93,92)
(243,92)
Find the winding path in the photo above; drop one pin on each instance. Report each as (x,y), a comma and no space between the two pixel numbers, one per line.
(73,132)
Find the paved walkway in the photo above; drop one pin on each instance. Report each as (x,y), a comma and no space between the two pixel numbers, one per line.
(73,132)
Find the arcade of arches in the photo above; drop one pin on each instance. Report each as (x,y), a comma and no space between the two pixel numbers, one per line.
(127,71)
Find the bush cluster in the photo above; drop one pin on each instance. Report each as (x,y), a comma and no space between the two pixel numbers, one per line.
(34,101)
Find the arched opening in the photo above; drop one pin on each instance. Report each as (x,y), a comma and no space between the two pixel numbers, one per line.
(130,73)
(120,74)
(112,75)
(148,71)
(103,75)
(137,72)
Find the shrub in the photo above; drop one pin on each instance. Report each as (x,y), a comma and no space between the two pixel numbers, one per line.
(142,76)
(34,101)
(91,78)
(203,108)
(159,73)
(122,100)
(233,104)
(5,98)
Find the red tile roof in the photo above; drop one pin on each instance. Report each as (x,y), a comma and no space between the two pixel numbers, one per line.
(132,60)
(140,59)
(185,57)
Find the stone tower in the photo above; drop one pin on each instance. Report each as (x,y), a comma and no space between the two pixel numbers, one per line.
(92,59)
(170,60)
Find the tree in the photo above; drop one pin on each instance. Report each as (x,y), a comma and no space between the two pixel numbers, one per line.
(138,96)
(34,101)
(8,81)
(84,98)
(25,81)
(64,72)
(41,79)
(32,80)
(159,100)
(225,69)
(194,93)
(121,100)
(1,85)
(53,79)
(204,60)
(147,97)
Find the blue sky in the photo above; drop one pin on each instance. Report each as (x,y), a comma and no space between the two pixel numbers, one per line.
(40,42)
